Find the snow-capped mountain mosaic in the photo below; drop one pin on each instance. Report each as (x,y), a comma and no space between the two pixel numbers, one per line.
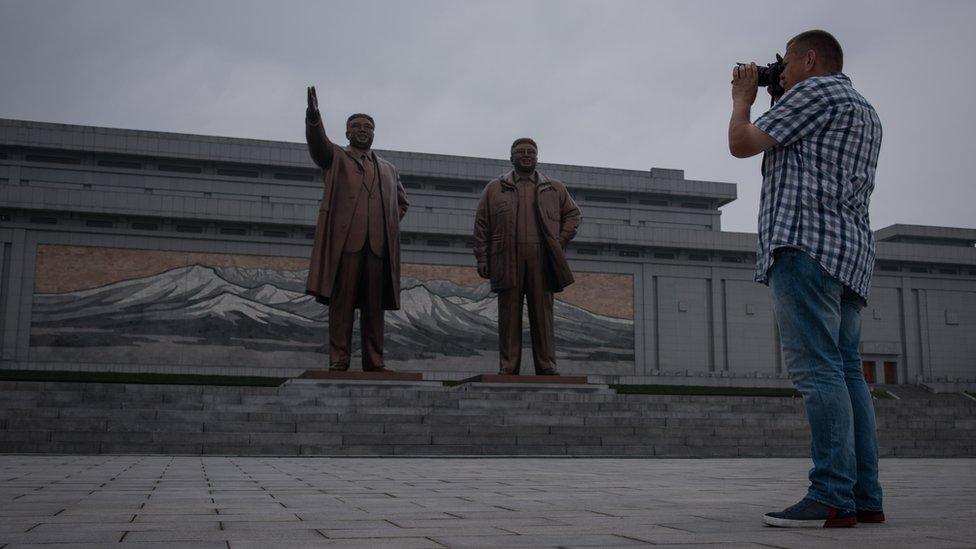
(232,316)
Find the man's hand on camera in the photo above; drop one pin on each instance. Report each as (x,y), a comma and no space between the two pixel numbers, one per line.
(483,271)
(745,84)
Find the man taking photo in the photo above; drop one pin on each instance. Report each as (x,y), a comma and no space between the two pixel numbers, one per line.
(821,141)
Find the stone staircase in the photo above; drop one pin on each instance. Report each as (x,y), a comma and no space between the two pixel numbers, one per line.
(421,419)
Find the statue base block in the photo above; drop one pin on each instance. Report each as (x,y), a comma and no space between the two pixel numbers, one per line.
(362,376)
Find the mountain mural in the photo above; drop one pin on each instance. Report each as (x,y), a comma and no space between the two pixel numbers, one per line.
(263,310)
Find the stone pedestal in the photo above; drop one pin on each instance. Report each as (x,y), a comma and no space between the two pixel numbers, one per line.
(362,376)
(495,378)
(562,384)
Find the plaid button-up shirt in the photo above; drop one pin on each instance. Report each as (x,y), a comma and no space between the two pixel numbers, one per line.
(817,181)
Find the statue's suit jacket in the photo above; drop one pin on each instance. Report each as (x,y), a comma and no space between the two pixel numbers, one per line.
(495,238)
(343,177)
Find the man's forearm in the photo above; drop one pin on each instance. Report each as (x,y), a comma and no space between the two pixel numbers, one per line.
(745,139)
(741,118)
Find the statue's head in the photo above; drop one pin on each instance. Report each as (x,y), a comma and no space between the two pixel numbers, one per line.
(359,130)
(525,155)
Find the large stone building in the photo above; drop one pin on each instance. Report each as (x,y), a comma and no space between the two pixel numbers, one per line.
(142,251)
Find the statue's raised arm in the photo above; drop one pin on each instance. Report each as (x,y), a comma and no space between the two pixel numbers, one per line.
(319,146)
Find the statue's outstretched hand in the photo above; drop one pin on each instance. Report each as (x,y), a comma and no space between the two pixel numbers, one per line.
(312,112)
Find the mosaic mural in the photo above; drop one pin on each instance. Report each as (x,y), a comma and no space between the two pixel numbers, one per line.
(111,305)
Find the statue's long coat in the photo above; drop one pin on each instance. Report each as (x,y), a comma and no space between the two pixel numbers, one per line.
(343,177)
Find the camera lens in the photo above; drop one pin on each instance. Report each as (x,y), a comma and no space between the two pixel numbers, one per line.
(763,77)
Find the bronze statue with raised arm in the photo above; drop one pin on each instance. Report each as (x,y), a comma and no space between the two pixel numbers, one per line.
(356,253)
(523,224)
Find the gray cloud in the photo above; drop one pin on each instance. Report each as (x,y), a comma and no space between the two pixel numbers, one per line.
(627,84)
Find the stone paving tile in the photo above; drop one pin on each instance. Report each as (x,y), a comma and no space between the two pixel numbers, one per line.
(80,534)
(235,503)
(276,538)
(124,545)
(347,515)
(73,518)
(537,540)
(452,523)
(377,543)
(478,531)
(374,526)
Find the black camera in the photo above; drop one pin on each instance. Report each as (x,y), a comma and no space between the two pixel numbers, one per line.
(769,77)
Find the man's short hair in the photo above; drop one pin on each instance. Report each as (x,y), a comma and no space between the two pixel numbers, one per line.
(360,115)
(827,47)
(521,140)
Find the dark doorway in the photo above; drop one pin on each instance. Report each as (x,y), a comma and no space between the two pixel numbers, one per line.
(868,367)
(890,373)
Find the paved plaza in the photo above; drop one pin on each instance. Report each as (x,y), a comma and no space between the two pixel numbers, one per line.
(252,502)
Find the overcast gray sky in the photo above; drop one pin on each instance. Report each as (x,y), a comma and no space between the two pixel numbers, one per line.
(624,84)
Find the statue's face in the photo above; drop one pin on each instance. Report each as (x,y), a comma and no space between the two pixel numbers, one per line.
(359,131)
(525,157)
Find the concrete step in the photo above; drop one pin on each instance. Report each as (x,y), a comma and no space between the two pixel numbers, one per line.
(436,420)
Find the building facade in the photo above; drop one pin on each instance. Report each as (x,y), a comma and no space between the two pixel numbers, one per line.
(129,250)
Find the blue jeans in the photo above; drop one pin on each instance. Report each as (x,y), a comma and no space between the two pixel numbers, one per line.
(820,330)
